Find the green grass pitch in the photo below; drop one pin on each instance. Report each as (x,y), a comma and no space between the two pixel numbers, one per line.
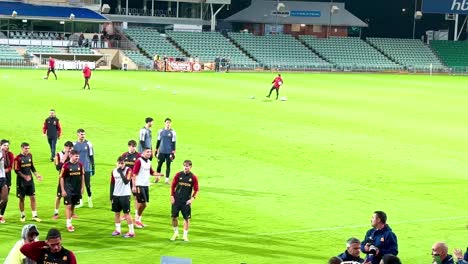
(280,181)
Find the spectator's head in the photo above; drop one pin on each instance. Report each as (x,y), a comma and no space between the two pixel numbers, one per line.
(390,259)
(439,249)
(334,260)
(29,233)
(54,240)
(379,219)
(353,246)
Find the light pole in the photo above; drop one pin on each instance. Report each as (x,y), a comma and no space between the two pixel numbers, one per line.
(333,10)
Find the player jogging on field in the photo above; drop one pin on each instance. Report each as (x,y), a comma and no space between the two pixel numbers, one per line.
(87,76)
(51,68)
(277,82)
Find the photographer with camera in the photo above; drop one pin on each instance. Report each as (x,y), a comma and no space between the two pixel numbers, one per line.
(379,240)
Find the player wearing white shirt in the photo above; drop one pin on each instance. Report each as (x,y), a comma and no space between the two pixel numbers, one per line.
(142,172)
(120,193)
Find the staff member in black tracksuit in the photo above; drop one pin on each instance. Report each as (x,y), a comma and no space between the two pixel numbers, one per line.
(53,131)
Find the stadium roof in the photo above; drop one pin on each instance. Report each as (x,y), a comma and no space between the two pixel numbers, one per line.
(295,12)
(44,12)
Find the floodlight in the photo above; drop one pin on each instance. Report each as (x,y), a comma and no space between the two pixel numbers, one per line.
(14,14)
(72,16)
(280,7)
(334,9)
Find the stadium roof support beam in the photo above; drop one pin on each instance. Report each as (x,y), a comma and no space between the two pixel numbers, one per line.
(457,33)
(213,16)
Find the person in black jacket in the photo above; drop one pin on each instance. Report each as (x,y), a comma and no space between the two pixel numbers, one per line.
(53,130)
(353,251)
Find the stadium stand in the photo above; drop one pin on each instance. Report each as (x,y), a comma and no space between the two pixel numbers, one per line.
(42,49)
(209,45)
(36,35)
(80,50)
(9,55)
(279,51)
(452,53)
(139,59)
(348,53)
(151,42)
(411,53)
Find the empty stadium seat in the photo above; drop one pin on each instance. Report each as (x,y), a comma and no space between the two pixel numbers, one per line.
(411,53)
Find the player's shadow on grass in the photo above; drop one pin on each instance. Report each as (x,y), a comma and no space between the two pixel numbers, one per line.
(266,100)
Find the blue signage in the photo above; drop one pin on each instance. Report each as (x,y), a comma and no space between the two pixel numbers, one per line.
(307,13)
(445,6)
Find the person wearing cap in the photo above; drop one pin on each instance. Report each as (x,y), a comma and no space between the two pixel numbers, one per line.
(50,250)
(29,234)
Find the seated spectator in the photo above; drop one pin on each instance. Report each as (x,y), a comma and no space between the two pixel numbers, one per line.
(459,255)
(353,251)
(390,259)
(440,254)
(334,260)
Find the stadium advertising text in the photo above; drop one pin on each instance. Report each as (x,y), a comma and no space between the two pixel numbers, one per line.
(445,6)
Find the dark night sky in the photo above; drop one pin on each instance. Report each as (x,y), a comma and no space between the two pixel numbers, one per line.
(386,18)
